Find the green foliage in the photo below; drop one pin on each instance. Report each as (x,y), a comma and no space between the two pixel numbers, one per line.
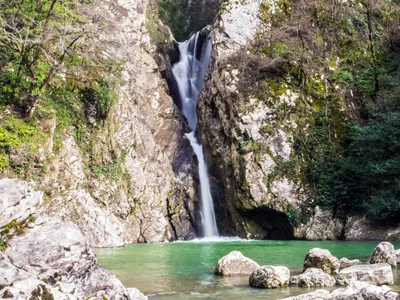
(343,63)
(184,19)
(365,180)
(49,72)
(21,141)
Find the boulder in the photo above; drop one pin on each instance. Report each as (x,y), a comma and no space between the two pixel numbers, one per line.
(269,277)
(235,264)
(18,200)
(345,262)
(53,258)
(383,253)
(321,259)
(376,274)
(397,254)
(316,295)
(362,290)
(313,277)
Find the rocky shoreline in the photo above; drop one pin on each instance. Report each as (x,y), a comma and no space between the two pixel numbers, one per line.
(359,280)
(48,258)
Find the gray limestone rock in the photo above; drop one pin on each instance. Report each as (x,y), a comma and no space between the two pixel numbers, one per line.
(269,277)
(18,200)
(383,253)
(345,262)
(321,259)
(363,291)
(54,258)
(235,264)
(313,277)
(316,295)
(361,229)
(377,274)
(397,254)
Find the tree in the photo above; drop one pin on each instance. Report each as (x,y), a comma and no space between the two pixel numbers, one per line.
(36,38)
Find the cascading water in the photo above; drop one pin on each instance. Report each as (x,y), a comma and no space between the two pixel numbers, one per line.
(189,74)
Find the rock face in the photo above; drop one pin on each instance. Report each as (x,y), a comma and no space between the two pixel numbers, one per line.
(313,277)
(53,258)
(360,229)
(269,277)
(322,226)
(154,197)
(321,259)
(345,263)
(383,253)
(242,153)
(378,274)
(18,200)
(235,264)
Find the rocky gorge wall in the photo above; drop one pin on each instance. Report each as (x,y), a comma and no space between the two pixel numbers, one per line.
(259,190)
(142,185)
(132,177)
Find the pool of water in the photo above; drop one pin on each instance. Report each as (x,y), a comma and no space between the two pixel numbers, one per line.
(185,270)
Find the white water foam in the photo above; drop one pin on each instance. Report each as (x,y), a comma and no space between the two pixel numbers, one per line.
(189,74)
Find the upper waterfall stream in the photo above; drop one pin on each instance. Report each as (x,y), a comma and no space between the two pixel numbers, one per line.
(189,74)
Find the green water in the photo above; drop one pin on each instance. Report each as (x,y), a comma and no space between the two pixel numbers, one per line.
(184,270)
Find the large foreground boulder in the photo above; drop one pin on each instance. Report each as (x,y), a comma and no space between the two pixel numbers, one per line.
(313,277)
(377,274)
(235,264)
(269,277)
(383,253)
(321,259)
(52,259)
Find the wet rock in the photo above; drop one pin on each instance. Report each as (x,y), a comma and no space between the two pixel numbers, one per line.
(383,253)
(18,200)
(377,274)
(345,262)
(321,259)
(313,277)
(316,295)
(235,264)
(362,290)
(269,277)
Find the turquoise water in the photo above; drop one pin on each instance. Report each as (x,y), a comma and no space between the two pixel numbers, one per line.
(184,270)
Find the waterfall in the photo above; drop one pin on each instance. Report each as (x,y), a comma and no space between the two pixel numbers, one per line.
(189,74)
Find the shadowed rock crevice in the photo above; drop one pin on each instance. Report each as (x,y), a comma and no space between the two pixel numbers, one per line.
(272,224)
